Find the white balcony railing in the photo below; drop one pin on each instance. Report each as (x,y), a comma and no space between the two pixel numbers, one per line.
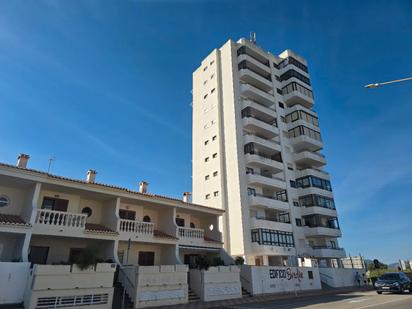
(185,232)
(60,218)
(137,227)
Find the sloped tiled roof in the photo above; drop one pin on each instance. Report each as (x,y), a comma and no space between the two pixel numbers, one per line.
(12,220)
(157,196)
(98,228)
(160,234)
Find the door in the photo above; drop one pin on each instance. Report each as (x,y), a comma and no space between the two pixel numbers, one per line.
(191,260)
(127,214)
(38,255)
(180,222)
(146,258)
(55,204)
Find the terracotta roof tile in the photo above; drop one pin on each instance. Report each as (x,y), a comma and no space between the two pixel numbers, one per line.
(106,186)
(12,220)
(98,228)
(161,234)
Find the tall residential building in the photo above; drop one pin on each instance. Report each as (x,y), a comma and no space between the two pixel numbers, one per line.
(256,143)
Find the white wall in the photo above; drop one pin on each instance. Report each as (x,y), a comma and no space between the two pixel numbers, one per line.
(274,279)
(13,281)
(216,283)
(340,277)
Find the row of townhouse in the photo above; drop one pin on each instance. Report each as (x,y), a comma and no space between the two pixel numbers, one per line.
(48,223)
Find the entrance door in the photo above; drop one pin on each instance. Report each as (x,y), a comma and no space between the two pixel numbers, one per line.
(191,260)
(38,255)
(146,258)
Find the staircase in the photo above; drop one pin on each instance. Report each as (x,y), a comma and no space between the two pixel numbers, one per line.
(118,297)
(193,297)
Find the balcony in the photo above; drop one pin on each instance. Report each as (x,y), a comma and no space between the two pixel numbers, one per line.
(327,251)
(256,94)
(268,112)
(266,144)
(304,142)
(318,210)
(313,172)
(277,184)
(196,237)
(253,124)
(319,230)
(259,200)
(270,223)
(309,159)
(294,93)
(315,191)
(263,64)
(135,230)
(261,160)
(250,77)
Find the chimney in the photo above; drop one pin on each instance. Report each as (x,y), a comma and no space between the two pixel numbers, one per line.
(22,160)
(186,197)
(143,187)
(91,176)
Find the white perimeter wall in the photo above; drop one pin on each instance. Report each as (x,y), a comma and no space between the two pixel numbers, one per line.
(340,277)
(273,279)
(13,281)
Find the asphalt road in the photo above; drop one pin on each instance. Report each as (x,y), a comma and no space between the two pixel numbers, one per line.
(358,300)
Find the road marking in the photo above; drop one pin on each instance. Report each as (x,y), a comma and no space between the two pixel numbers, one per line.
(384,303)
(358,300)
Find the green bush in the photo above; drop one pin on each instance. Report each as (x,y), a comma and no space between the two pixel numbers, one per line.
(88,257)
(239,260)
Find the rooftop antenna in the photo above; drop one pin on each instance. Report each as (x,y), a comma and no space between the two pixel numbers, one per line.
(253,37)
(51,159)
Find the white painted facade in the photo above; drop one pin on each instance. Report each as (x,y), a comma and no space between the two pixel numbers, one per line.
(255,135)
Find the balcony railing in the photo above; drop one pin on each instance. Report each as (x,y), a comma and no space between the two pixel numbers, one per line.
(284,218)
(271,123)
(328,226)
(245,51)
(137,227)
(60,218)
(326,247)
(277,198)
(265,175)
(185,232)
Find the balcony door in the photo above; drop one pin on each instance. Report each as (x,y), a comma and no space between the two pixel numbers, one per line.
(38,255)
(127,214)
(146,258)
(55,204)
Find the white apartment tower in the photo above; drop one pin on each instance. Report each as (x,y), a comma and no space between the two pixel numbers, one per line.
(256,143)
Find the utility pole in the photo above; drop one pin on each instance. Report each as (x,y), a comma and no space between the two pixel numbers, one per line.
(51,159)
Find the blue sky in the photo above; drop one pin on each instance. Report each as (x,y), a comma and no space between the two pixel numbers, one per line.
(106,85)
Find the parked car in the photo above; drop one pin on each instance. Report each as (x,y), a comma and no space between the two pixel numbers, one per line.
(393,282)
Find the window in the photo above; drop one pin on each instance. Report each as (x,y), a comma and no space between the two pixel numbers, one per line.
(216,193)
(211,62)
(205,68)
(316,200)
(207,196)
(292,183)
(295,203)
(310,274)
(251,191)
(296,115)
(192,225)
(127,214)
(293,86)
(55,204)
(4,201)
(249,170)
(279,91)
(120,255)
(213,90)
(206,142)
(298,222)
(87,211)
(75,254)
(214,138)
(313,181)
(207,159)
(296,63)
(147,219)
(272,237)
(214,156)
(302,130)
(146,258)
(207,177)
(293,73)
(277,78)
(214,173)
(281,105)
(205,96)
(205,82)
(211,76)
(290,168)
(180,222)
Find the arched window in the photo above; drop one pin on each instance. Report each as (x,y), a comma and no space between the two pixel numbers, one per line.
(87,211)
(192,225)
(4,201)
(146,219)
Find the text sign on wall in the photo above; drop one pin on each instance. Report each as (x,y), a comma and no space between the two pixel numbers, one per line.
(288,274)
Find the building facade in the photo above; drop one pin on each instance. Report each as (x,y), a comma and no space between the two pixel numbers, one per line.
(256,155)
(48,219)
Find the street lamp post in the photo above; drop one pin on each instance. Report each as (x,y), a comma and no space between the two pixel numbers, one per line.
(376,85)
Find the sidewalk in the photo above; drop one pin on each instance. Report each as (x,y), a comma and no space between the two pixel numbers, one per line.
(264,297)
